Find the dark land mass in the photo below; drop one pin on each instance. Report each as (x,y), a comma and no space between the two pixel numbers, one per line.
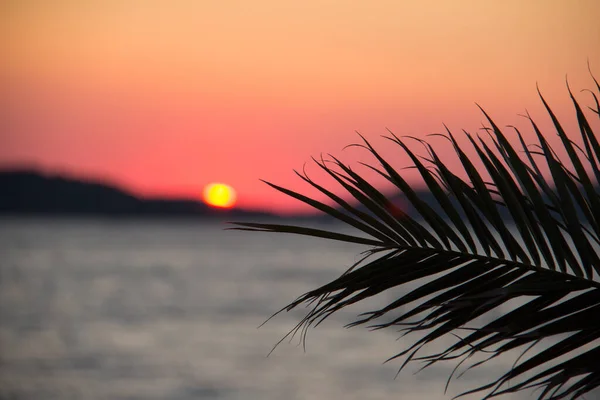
(31,193)
(27,192)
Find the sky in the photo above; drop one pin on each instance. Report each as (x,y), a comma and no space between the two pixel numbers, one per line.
(164,97)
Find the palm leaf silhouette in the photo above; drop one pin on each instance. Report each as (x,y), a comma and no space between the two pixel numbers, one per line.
(507,231)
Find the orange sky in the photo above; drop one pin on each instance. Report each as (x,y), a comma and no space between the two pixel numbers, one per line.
(163,97)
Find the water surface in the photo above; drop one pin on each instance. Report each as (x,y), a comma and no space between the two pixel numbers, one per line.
(134,309)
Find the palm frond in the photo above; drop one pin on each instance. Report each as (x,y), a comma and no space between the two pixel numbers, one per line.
(498,230)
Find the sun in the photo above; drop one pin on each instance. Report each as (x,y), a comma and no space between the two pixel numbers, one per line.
(219,195)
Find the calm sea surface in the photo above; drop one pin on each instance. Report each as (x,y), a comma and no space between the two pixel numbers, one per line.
(93,309)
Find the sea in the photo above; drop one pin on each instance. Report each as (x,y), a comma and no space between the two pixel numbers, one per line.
(170,309)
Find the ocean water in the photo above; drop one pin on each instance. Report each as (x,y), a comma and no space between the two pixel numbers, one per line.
(134,309)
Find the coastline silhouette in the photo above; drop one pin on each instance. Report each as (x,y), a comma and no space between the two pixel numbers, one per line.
(29,192)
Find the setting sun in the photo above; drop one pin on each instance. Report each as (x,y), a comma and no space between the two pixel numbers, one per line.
(219,195)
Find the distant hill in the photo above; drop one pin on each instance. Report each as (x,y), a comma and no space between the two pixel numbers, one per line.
(28,192)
